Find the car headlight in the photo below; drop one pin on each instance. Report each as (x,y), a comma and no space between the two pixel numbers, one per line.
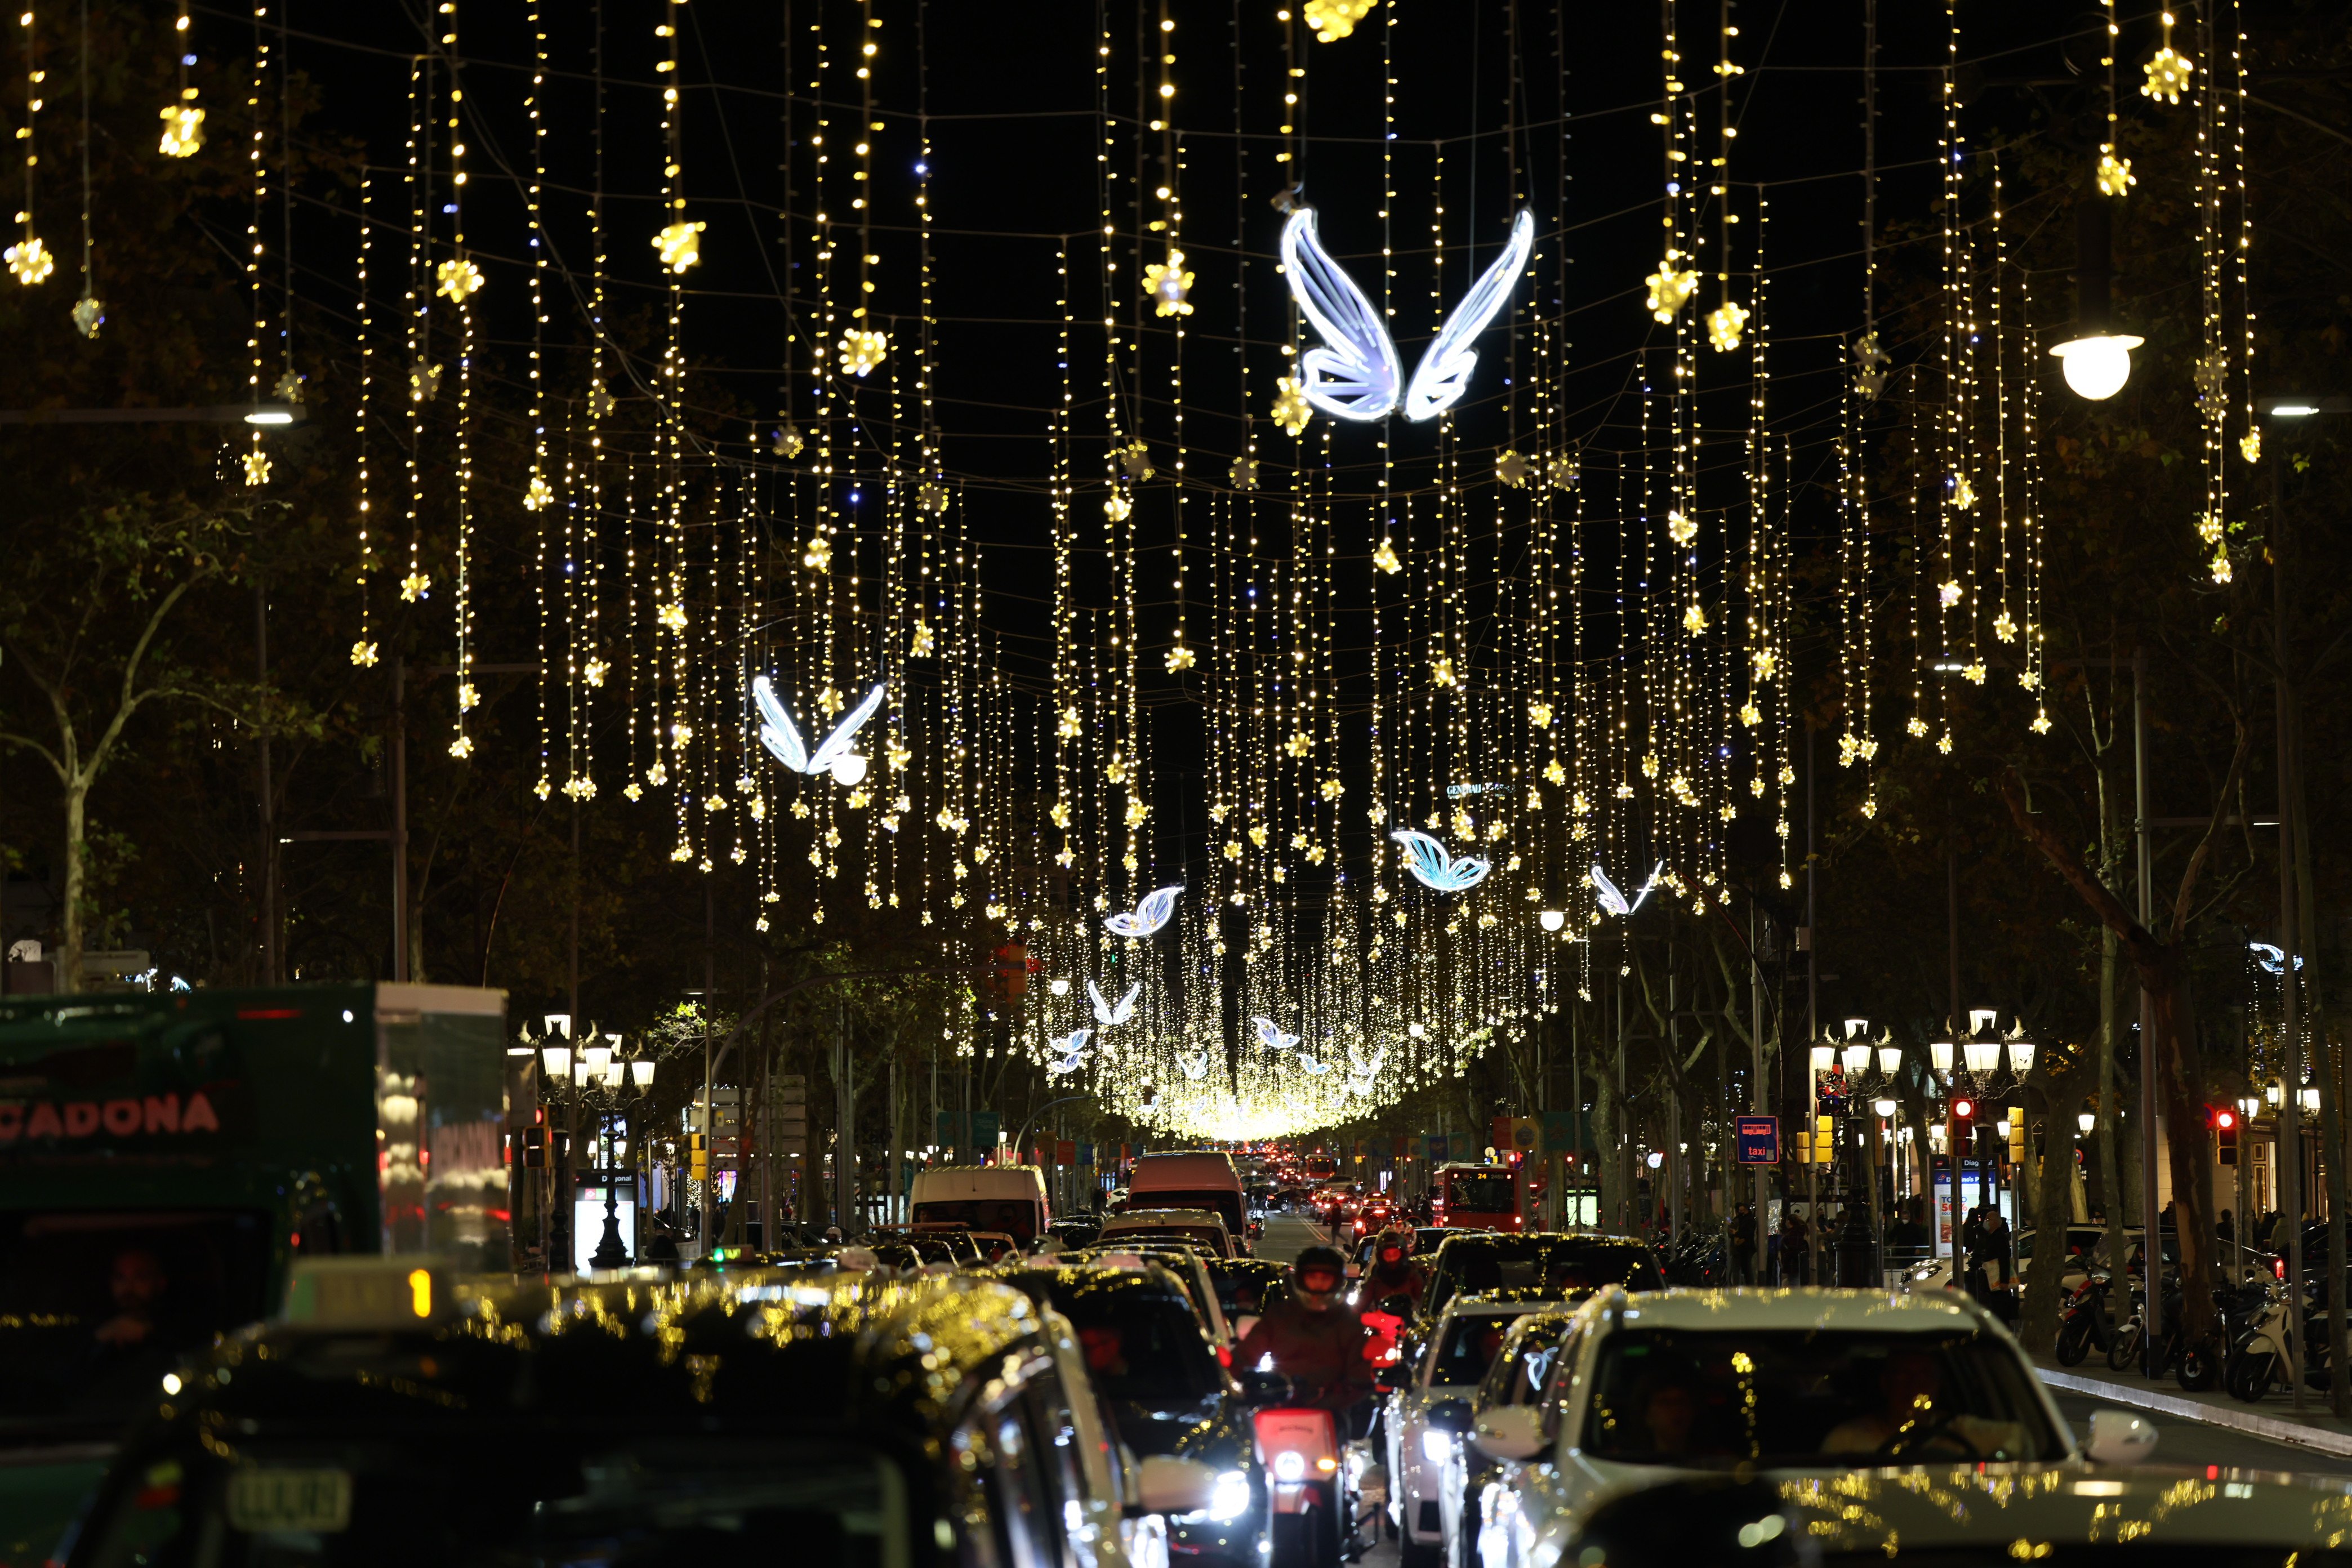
(1437,1446)
(1230,1498)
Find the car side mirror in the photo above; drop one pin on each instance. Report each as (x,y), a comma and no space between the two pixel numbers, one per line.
(2119,1438)
(1167,1485)
(1449,1415)
(1509,1432)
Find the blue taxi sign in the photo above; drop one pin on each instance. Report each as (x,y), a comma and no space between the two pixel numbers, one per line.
(1759,1139)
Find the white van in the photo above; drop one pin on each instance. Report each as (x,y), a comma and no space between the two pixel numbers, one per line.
(1010,1198)
(1190,1181)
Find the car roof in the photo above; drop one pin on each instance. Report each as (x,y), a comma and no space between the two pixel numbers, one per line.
(1512,1301)
(776,1349)
(1133,1217)
(1879,1311)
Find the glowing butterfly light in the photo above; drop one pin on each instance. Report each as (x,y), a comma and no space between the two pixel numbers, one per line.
(783,737)
(1072,1049)
(1147,916)
(1110,1017)
(1355,374)
(1433,867)
(1270,1035)
(1316,1068)
(1614,901)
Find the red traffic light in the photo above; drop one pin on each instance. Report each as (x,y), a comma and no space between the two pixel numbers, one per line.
(2225,1119)
(1963,1109)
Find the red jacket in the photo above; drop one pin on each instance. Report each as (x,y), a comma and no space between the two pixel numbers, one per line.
(1323,1354)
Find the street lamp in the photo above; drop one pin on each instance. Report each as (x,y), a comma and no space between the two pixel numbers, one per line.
(1552,920)
(1939,1053)
(2096,360)
(2087,1119)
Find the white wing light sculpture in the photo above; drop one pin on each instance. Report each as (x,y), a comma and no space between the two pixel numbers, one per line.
(1355,374)
(1071,1050)
(1110,1017)
(1270,1035)
(1614,901)
(1147,917)
(1317,1068)
(1433,867)
(783,737)
(1194,1065)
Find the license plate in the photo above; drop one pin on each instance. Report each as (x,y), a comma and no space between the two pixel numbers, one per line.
(263,1501)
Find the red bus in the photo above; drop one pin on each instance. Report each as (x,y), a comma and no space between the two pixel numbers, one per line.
(1476,1197)
(1321,1168)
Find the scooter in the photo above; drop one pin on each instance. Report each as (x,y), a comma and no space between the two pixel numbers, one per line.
(1323,1493)
(2266,1354)
(2083,1323)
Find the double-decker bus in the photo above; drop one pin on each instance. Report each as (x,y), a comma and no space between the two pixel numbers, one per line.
(1477,1197)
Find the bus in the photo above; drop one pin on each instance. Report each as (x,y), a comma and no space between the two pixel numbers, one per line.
(1321,1167)
(1477,1197)
(166,1157)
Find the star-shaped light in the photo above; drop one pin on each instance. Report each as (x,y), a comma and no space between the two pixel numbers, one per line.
(425,383)
(1290,407)
(1670,289)
(2168,70)
(681,245)
(1136,459)
(1948,591)
(1243,472)
(457,281)
(1680,529)
(1117,507)
(1765,662)
(2116,175)
(1964,494)
(256,468)
(1694,620)
(184,127)
(1299,745)
(1384,556)
(2004,627)
(30,260)
(1561,469)
(1441,670)
(787,442)
(932,497)
(1512,470)
(89,315)
(817,554)
(1751,716)
(415,586)
(1180,657)
(594,671)
(1870,363)
(2250,446)
(1539,715)
(1167,282)
(363,654)
(672,617)
(462,747)
(1335,19)
(539,497)
(1724,325)
(862,350)
(920,648)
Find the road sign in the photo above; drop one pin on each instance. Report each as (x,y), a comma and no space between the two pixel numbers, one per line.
(985,1126)
(1759,1139)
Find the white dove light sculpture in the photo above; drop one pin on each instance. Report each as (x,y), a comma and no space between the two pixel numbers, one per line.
(1355,374)
(1433,867)
(1196,1065)
(1147,916)
(1110,1017)
(1614,901)
(1072,1049)
(1316,1068)
(1270,1035)
(783,737)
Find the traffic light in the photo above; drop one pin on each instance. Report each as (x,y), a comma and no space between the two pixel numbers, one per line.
(698,1161)
(534,1148)
(2224,1122)
(1964,1125)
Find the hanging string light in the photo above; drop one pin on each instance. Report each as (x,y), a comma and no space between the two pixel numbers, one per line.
(183,120)
(28,258)
(458,280)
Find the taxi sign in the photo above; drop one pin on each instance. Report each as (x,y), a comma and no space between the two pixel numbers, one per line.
(1759,1139)
(267,1500)
(367,1292)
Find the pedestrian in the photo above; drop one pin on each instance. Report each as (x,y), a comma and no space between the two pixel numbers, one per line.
(1793,1251)
(2228,1228)
(1743,1245)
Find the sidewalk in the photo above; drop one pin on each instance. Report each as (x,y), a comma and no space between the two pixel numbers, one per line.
(2274,1419)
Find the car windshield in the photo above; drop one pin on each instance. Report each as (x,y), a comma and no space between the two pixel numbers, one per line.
(1803,1397)
(1466,1349)
(1518,1378)
(1008,1214)
(1190,1235)
(1491,1192)
(95,1306)
(559,1501)
(1242,1287)
(1143,1345)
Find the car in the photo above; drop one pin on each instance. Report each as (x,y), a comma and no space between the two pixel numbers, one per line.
(1486,1261)
(1445,1367)
(1150,1359)
(1203,1228)
(862,1419)
(1971,1515)
(1519,1374)
(1789,1387)
(1076,1230)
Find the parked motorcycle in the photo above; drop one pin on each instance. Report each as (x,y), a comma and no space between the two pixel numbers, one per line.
(2266,1354)
(2083,1325)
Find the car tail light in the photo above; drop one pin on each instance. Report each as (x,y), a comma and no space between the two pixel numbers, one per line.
(2278,1267)
(1226,1356)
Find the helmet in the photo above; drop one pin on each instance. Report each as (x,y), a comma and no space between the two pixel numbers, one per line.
(1325,1258)
(1402,1243)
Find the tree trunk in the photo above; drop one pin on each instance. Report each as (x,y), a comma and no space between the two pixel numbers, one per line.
(69,930)
(2053,1193)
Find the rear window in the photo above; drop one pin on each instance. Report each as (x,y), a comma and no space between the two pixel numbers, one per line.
(1564,1266)
(1009,1214)
(1142,1345)
(1495,1193)
(1462,1357)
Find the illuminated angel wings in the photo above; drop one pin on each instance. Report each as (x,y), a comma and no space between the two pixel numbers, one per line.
(1355,374)
(1108,1015)
(1616,902)
(1071,1050)
(783,737)
(1271,1035)
(1433,867)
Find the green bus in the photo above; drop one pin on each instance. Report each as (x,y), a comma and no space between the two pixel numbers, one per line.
(166,1157)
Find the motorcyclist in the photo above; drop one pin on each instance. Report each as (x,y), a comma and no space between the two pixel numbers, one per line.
(1393,1273)
(1313,1339)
